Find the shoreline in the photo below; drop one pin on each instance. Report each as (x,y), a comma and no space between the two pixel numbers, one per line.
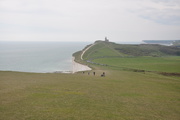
(77,67)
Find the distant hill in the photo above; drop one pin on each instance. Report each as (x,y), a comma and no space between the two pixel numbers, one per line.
(163,42)
(149,50)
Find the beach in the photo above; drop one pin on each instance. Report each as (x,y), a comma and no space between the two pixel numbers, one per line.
(80,67)
(77,67)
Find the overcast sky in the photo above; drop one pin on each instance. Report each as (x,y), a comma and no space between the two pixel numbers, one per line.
(89,20)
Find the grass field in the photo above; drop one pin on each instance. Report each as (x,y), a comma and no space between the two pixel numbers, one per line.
(120,95)
(161,64)
(101,49)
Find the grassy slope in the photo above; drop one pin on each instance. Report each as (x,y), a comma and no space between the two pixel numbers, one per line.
(107,52)
(161,64)
(121,95)
(118,96)
(147,50)
(100,49)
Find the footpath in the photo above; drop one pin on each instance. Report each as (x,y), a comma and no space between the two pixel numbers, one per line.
(77,67)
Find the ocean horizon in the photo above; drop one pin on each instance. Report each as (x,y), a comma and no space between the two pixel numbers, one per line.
(38,57)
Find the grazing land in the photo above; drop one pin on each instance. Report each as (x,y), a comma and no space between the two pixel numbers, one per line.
(159,64)
(120,95)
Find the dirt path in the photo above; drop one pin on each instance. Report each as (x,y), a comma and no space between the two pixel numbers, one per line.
(86,50)
(80,67)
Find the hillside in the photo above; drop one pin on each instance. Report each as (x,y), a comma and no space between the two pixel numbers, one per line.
(163,42)
(102,48)
(143,57)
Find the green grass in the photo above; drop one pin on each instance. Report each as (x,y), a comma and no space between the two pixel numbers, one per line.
(162,64)
(100,49)
(120,95)
(147,50)
(112,49)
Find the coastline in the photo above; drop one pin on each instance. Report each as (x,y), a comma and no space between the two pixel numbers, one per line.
(77,67)
(20,61)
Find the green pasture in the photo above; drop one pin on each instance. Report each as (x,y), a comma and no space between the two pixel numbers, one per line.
(121,95)
(161,64)
(101,49)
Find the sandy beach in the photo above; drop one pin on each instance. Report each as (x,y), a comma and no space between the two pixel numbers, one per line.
(79,67)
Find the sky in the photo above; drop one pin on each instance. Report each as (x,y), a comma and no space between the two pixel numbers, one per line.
(89,20)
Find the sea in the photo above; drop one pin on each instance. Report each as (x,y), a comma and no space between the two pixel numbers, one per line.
(38,57)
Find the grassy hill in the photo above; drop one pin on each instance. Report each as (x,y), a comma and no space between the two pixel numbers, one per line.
(120,95)
(159,64)
(102,48)
(145,57)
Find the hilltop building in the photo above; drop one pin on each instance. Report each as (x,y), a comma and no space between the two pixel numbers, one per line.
(106,40)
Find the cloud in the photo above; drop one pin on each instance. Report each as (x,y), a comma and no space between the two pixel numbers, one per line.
(124,20)
(165,16)
(165,12)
